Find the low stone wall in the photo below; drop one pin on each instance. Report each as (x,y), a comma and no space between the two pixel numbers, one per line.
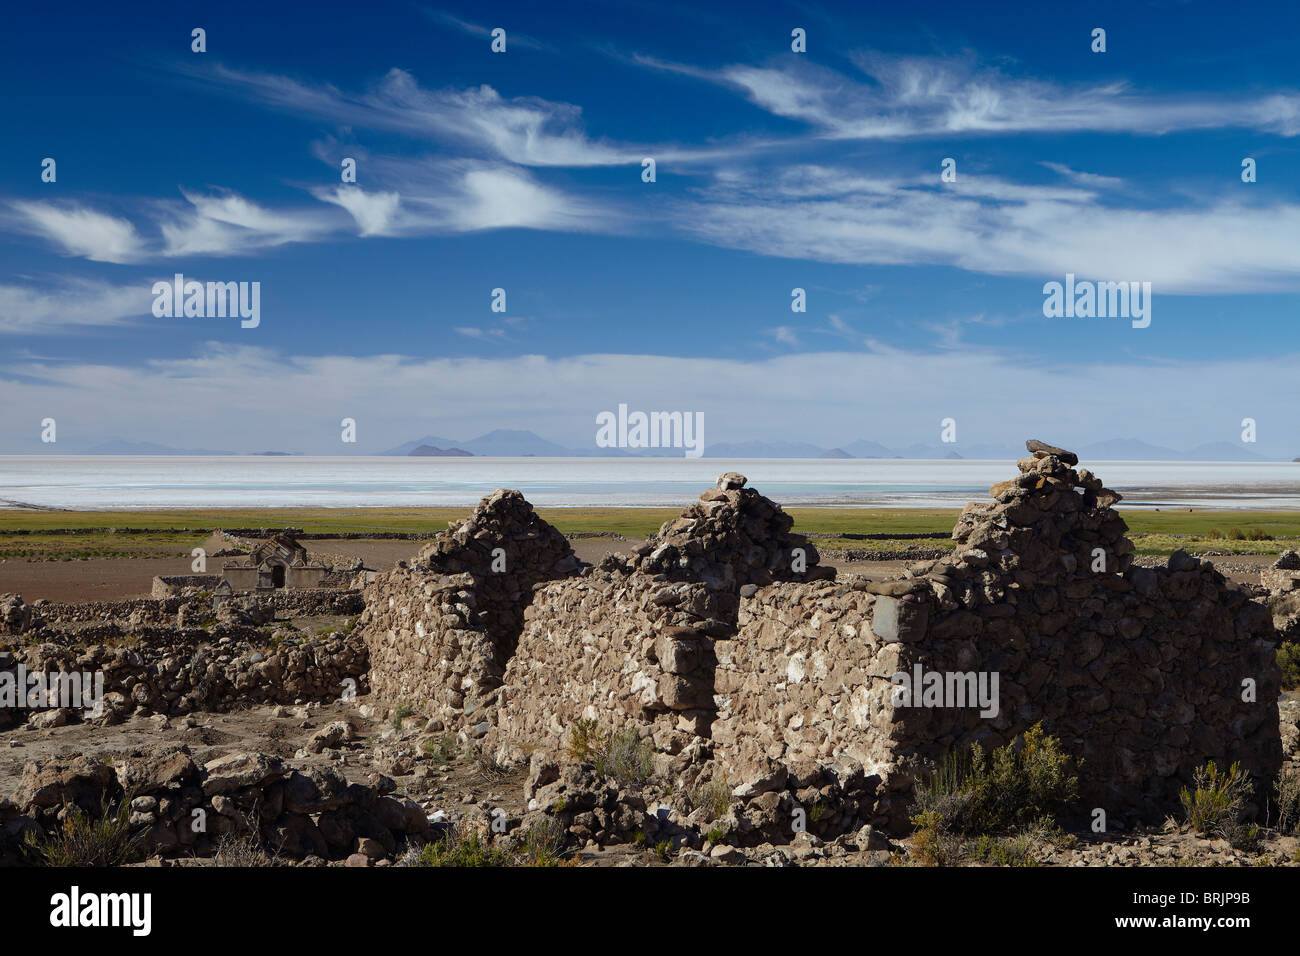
(311,602)
(179,807)
(174,585)
(155,611)
(170,672)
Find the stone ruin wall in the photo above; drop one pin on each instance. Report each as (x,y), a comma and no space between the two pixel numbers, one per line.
(175,655)
(631,642)
(174,673)
(772,684)
(442,629)
(618,648)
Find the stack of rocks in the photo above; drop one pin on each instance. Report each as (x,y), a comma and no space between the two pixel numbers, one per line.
(731,537)
(503,520)
(15,616)
(1044,525)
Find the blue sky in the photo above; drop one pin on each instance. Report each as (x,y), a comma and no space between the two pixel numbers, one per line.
(775,170)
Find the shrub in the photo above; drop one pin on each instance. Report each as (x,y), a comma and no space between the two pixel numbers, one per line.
(1021,783)
(457,850)
(933,844)
(542,843)
(1214,807)
(621,754)
(243,851)
(1286,795)
(488,766)
(81,841)
(1288,659)
(713,795)
(400,714)
(1016,850)
(584,737)
(626,758)
(443,748)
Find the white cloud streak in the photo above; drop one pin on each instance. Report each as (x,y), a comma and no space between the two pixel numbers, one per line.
(268,399)
(28,310)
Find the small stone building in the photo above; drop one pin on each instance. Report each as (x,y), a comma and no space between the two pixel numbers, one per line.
(278,562)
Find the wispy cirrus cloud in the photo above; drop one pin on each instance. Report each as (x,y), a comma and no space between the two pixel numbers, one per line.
(29,309)
(1089,180)
(529,131)
(524,130)
(997,228)
(218,224)
(902,97)
(229,224)
(80,230)
(430,196)
(453,22)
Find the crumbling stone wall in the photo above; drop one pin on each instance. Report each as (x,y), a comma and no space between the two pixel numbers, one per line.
(1282,584)
(618,647)
(181,807)
(1140,672)
(155,611)
(441,629)
(169,672)
(174,585)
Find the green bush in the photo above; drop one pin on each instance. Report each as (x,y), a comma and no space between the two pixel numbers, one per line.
(105,841)
(441,748)
(1249,534)
(542,843)
(626,758)
(400,714)
(454,850)
(1019,784)
(621,754)
(1286,797)
(584,739)
(1214,807)
(712,795)
(1288,659)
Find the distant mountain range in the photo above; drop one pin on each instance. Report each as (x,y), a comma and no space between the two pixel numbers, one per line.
(428,451)
(516,443)
(520,444)
(118,446)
